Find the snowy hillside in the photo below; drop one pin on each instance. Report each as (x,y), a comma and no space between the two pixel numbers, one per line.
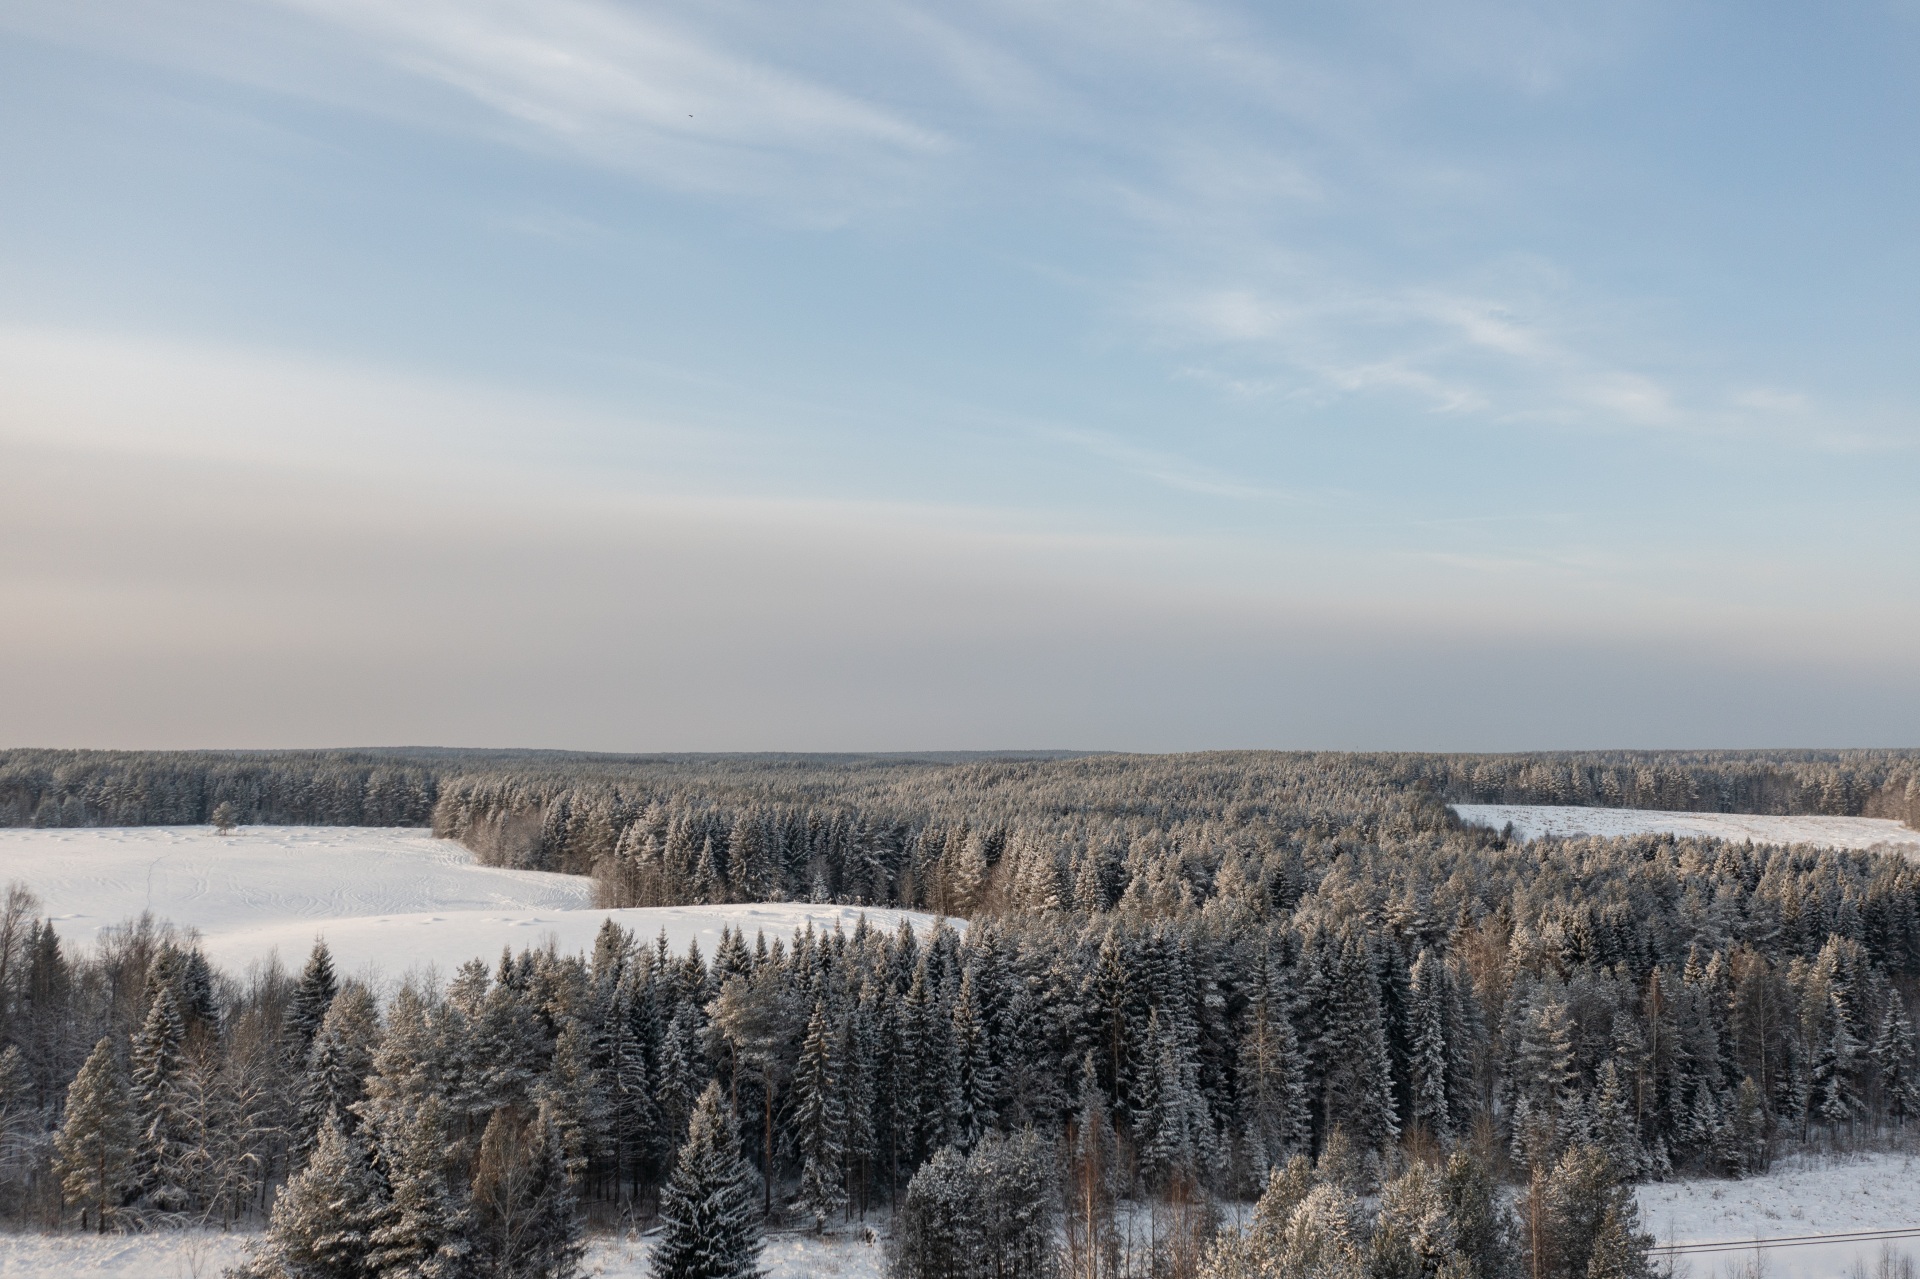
(1531,821)
(387,900)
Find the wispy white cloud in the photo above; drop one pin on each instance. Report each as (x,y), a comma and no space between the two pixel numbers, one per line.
(625,86)
(615,85)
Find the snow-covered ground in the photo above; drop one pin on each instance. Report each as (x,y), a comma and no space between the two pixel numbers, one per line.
(1531,821)
(1808,1196)
(204,1255)
(388,901)
(1799,1197)
(786,1256)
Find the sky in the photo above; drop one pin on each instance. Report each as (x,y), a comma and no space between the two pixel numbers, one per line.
(870,375)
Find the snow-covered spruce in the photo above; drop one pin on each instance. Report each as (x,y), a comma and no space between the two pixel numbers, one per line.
(710,1222)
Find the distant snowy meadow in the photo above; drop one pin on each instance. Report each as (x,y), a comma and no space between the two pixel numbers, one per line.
(1536,821)
(388,901)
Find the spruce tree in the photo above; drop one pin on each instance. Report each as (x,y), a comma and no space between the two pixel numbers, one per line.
(1271,1084)
(1353,1056)
(1413,1233)
(937,1229)
(1892,1055)
(633,1120)
(1427,1054)
(338,1064)
(974,1083)
(311,999)
(161,1125)
(94,1147)
(423,1232)
(709,1227)
(1833,1099)
(1613,1123)
(324,1221)
(576,1094)
(1619,1252)
(819,1121)
(1093,1181)
(524,1207)
(1170,1125)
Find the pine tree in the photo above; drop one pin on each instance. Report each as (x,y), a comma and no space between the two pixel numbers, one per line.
(556,1234)
(709,1227)
(94,1147)
(819,1121)
(1583,1205)
(1013,1206)
(1745,1141)
(411,1065)
(1482,1224)
(524,1208)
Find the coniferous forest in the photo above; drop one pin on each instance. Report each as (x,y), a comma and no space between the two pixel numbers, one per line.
(1177,992)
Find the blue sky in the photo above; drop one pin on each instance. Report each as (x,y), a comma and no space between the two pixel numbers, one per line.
(874,375)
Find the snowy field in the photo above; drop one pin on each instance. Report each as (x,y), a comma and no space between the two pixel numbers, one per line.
(196,1255)
(1531,821)
(1800,1197)
(387,901)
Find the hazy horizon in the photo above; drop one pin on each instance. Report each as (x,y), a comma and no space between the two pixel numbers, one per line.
(587,374)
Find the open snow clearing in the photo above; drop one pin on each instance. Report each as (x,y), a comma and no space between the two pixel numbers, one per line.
(1536,821)
(388,901)
(1814,1218)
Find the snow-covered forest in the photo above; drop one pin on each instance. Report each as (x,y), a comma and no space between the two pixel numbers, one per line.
(1294,988)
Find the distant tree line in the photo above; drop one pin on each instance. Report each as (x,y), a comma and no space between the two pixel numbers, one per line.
(565,811)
